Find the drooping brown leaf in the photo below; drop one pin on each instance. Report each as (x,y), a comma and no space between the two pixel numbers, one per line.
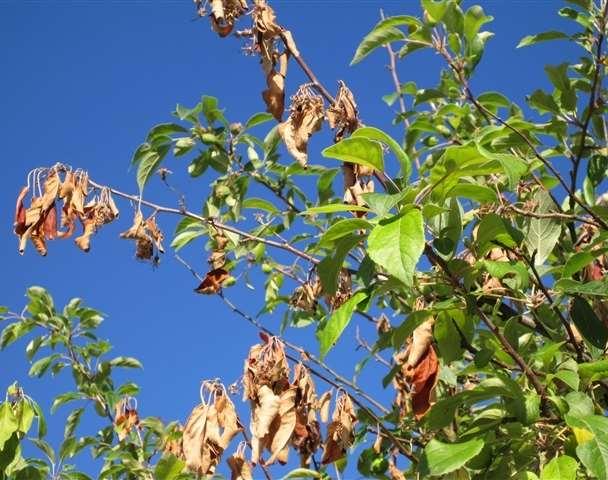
(50,223)
(156,233)
(274,95)
(224,14)
(144,241)
(239,466)
(306,437)
(343,292)
(193,437)
(305,118)
(212,283)
(343,115)
(125,418)
(340,433)
(305,296)
(323,405)
(19,226)
(423,380)
(416,381)
(282,428)
(265,365)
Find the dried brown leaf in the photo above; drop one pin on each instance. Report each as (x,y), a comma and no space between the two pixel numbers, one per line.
(343,115)
(212,283)
(306,117)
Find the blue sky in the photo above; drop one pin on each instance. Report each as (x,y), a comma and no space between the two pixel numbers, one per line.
(83,81)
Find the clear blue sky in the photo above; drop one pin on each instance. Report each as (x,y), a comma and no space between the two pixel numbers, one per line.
(82,82)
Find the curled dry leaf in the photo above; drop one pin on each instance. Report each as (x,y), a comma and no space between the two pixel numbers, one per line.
(146,235)
(19,226)
(125,418)
(305,118)
(306,437)
(274,95)
(340,433)
(240,469)
(209,430)
(323,405)
(416,381)
(305,296)
(224,14)
(343,116)
(355,186)
(212,283)
(343,293)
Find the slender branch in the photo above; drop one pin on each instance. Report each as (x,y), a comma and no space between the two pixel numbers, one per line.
(554,215)
(210,221)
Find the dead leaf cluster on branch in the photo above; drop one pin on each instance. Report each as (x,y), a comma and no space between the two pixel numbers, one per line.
(39,221)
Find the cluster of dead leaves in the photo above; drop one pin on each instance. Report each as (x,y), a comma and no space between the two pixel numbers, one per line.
(215,278)
(306,296)
(305,118)
(223,15)
(39,222)
(417,378)
(125,417)
(209,430)
(147,236)
(284,413)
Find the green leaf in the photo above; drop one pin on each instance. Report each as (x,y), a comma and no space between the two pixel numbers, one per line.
(378,135)
(543,102)
(302,473)
(8,423)
(435,9)
(474,19)
(163,130)
(126,362)
(587,323)
(260,204)
(579,404)
(580,260)
(572,287)
(541,37)
(592,371)
(397,244)
(258,119)
(341,229)
(149,164)
(184,238)
(542,233)
(382,203)
(65,398)
(72,422)
(358,150)
(168,468)
(329,332)
(442,458)
(472,191)
(560,468)
(384,32)
(45,447)
(334,208)
(514,167)
(591,434)
(494,229)
(558,75)
(41,366)
(330,266)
